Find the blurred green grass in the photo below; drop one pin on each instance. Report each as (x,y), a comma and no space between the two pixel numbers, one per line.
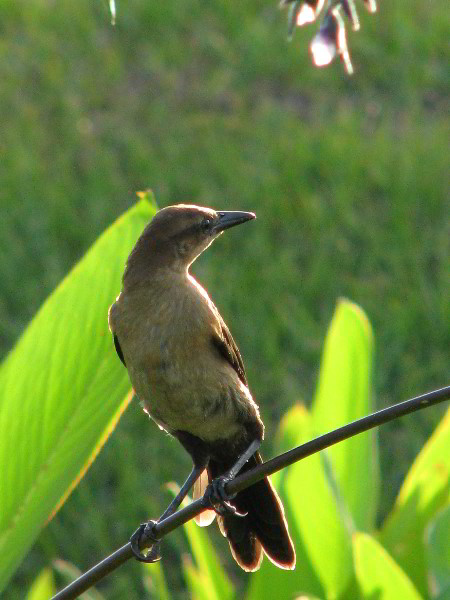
(208,103)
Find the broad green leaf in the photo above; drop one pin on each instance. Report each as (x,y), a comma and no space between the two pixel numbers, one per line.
(323,527)
(433,458)
(270,582)
(43,587)
(210,572)
(154,580)
(62,389)
(425,491)
(344,395)
(207,560)
(287,437)
(378,575)
(199,583)
(438,551)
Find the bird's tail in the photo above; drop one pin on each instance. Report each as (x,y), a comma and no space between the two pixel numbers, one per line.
(264,528)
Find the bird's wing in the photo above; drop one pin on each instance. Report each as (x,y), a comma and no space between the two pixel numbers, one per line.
(118,349)
(224,343)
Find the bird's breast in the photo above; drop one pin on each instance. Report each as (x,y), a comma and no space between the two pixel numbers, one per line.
(178,376)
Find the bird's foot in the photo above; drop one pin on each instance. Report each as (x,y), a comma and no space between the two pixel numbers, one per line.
(141,537)
(218,499)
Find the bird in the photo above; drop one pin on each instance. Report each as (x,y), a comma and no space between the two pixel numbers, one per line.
(188,374)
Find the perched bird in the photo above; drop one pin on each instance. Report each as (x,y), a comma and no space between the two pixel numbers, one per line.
(189,376)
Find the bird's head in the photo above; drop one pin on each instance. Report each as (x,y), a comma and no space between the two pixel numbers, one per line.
(178,234)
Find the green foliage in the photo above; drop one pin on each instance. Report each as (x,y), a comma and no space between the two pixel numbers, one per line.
(377,573)
(210,576)
(344,394)
(324,503)
(62,392)
(424,492)
(207,103)
(317,513)
(155,582)
(312,488)
(335,558)
(438,549)
(43,587)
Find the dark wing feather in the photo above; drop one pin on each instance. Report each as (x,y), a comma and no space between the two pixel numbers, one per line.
(229,351)
(119,349)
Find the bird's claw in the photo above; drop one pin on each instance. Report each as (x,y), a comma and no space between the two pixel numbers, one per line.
(217,498)
(143,534)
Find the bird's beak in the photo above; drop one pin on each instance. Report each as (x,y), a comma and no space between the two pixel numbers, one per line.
(230,218)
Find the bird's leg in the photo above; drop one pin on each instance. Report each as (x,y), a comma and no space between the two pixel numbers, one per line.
(245,456)
(146,530)
(216,494)
(197,470)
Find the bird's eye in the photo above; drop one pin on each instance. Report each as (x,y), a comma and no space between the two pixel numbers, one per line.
(206,224)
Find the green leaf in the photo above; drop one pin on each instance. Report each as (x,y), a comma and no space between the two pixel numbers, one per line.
(425,491)
(199,583)
(378,575)
(62,390)
(319,488)
(43,587)
(321,524)
(210,575)
(433,459)
(438,551)
(154,580)
(287,437)
(344,395)
(270,582)
(208,562)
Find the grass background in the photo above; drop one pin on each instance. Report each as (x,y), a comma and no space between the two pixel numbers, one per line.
(208,103)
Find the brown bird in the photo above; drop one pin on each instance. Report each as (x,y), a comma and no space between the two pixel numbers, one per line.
(189,376)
